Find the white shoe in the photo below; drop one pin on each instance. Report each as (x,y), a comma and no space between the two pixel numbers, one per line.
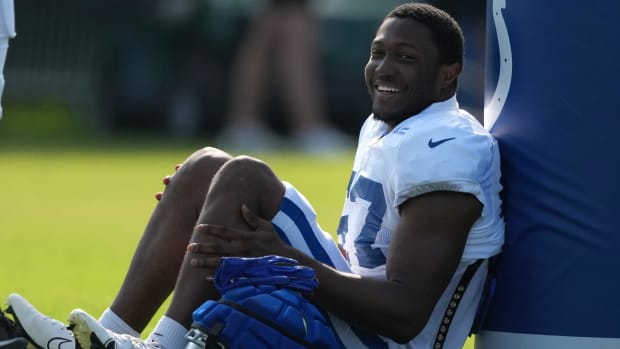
(90,334)
(41,331)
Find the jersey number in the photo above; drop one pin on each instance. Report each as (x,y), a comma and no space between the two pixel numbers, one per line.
(371,192)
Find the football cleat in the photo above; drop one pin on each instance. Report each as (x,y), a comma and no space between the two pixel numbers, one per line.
(41,331)
(90,334)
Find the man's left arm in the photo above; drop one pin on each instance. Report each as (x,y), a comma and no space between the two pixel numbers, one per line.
(426,249)
(424,254)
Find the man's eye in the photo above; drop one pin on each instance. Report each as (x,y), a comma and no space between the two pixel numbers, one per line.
(376,53)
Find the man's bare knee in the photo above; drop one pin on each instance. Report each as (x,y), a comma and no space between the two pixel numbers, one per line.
(201,166)
(192,180)
(248,172)
(205,162)
(251,181)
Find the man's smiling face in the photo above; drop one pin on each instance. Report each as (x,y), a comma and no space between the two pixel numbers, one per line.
(402,74)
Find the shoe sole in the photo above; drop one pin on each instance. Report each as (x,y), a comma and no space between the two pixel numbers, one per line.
(88,332)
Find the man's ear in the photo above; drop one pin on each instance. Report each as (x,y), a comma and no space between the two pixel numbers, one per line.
(449,74)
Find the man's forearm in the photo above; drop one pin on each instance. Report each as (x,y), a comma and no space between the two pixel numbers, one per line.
(386,307)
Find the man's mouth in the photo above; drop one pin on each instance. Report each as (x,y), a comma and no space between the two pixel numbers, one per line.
(386,89)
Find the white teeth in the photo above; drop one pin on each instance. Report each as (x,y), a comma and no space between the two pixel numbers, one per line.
(381,88)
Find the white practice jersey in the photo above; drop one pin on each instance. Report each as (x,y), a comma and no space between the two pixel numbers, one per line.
(443,148)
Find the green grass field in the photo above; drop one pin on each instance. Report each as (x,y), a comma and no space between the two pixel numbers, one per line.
(71,214)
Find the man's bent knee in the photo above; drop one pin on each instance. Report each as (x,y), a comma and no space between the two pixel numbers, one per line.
(206,161)
(201,166)
(248,172)
(251,181)
(192,180)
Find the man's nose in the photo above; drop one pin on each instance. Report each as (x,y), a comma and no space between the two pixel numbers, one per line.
(385,66)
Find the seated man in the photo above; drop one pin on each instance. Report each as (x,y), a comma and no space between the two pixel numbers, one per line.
(421,217)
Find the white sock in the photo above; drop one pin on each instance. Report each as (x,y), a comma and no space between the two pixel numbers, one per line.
(114,323)
(169,333)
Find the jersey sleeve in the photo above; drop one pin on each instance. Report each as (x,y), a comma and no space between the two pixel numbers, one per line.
(442,160)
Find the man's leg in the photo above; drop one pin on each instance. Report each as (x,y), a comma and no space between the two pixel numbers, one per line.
(248,181)
(154,268)
(156,262)
(242,180)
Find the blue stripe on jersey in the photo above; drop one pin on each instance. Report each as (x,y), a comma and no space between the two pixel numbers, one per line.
(343,228)
(289,208)
(343,225)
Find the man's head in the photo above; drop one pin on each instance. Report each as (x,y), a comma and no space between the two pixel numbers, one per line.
(415,59)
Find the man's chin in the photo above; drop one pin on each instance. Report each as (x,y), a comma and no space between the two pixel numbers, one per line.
(382,116)
(391,118)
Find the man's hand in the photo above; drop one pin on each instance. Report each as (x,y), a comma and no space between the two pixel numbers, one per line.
(260,239)
(166,181)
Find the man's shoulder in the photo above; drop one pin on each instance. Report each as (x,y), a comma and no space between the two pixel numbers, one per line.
(430,133)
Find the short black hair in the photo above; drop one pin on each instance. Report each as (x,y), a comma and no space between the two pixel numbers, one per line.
(446,33)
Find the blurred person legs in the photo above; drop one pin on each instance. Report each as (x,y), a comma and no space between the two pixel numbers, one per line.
(281,42)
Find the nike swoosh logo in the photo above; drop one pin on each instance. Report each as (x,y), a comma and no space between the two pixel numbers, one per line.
(58,343)
(432,144)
